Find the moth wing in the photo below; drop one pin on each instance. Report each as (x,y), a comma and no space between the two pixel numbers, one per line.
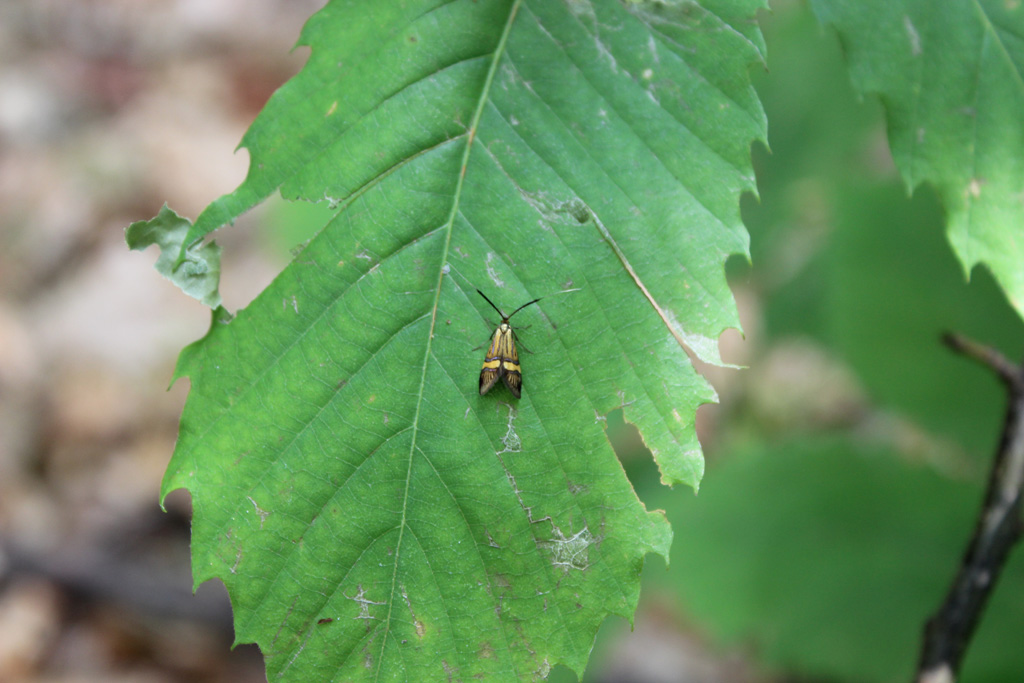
(512,353)
(491,370)
(511,375)
(513,379)
(488,378)
(502,362)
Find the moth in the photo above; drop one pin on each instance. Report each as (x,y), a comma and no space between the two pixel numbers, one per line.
(502,360)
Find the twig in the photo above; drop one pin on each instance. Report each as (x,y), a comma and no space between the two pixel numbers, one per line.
(999,527)
(1009,372)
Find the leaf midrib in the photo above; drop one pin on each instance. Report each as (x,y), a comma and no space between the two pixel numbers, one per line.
(457,195)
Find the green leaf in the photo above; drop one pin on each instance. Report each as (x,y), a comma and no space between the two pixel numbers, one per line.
(951,77)
(193,266)
(372,516)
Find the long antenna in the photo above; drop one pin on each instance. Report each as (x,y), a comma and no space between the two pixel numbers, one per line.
(492,303)
(503,316)
(522,307)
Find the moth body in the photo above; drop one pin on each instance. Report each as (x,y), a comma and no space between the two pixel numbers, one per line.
(502,359)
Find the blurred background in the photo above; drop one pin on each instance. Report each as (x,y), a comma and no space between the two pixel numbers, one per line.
(845,465)
(108,109)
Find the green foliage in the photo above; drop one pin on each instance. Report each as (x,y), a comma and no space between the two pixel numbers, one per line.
(892,288)
(822,549)
(840,255)
(826,556)
(951,78)
(372,516)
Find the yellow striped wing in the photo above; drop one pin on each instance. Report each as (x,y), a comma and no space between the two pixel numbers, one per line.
(502,361)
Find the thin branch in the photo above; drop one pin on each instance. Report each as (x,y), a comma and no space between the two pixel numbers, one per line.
(999,527)
(1008,372)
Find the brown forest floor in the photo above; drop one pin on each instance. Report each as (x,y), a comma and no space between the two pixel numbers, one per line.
(109,108)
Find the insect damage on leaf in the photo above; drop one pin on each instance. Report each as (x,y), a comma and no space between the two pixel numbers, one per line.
(570,552)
